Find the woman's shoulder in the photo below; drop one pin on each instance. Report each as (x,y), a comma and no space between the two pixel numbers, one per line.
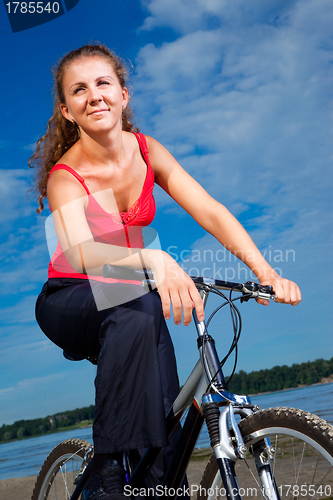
(151,142)
(161,160)
(156,153)
(66,168)
(63,171)
(64,183)
(64,188)
(62,175)
(155,148)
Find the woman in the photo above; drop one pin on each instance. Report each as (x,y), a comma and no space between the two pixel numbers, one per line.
(98,178)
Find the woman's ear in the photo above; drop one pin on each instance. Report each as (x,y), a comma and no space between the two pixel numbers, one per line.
(66,114)
(125,97)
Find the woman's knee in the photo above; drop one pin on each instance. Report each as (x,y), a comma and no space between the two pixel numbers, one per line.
(151,304)
(148,304)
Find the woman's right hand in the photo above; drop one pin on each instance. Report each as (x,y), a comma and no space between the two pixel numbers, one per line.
(175,287)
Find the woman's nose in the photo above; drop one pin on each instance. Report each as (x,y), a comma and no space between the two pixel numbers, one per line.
(94,96)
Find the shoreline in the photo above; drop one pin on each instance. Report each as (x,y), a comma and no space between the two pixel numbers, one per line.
(324,381)
(49,433)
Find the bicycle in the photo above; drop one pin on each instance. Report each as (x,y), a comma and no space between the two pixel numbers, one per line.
(273,453)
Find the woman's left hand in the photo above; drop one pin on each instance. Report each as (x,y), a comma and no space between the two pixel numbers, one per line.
(286,291)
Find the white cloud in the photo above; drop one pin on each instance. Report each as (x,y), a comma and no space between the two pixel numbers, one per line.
(40,396)
(22,312)
(36,379)
(189,15)
(24,346)
(30,147)
(23,256)
(15,200)
(251,100)
(5,392)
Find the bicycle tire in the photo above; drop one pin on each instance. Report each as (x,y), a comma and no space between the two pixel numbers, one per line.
(56,479)
(303,459)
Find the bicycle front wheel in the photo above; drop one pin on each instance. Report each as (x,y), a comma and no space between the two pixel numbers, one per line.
(302,464)
(61,470)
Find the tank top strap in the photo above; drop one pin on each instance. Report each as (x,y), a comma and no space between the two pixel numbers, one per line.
(62,166)
(143,146)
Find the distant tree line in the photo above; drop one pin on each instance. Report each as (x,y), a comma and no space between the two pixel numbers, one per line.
(39,426)
(275,379)
(281,377)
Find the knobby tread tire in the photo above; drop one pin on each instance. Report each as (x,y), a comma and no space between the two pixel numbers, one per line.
(71,446)
(290,418)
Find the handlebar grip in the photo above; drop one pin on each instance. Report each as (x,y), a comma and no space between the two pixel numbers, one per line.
(126,273)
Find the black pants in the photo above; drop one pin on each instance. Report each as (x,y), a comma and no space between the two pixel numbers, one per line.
(136,379)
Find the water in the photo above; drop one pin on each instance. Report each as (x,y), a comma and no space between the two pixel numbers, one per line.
(317,399)
(24,458)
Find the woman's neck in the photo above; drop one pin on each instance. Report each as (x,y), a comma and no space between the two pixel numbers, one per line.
(102,149)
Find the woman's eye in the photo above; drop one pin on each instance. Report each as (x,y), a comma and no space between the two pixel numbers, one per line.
(103,82)
(78,90)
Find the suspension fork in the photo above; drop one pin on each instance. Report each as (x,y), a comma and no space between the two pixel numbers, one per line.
(220,438)
(228,445)
(262,451)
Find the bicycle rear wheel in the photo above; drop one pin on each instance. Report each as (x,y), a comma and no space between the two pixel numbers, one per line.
(61,470)
(302,464)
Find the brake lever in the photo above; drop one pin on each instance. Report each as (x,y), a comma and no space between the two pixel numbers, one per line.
(254,290)
(265,296)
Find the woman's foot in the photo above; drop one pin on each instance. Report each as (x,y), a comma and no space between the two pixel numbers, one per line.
(108,484)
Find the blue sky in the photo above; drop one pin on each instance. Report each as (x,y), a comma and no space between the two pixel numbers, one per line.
(241,93)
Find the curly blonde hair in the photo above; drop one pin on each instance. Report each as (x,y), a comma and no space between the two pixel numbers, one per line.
(61,134)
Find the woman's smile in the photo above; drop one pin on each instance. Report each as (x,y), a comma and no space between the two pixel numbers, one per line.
(98,112)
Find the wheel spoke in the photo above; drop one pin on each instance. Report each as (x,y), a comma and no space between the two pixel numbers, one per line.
(302,465)
(56,478)
(294,458)
(327,473)
(314,473)
(255,479)
(275,447)
(64,476)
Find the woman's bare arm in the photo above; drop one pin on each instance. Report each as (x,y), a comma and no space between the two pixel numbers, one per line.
(217,220)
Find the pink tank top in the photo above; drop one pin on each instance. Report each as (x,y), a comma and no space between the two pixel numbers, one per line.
(121,229)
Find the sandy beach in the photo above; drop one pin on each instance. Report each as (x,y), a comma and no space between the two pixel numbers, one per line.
(17,489)
(21,488)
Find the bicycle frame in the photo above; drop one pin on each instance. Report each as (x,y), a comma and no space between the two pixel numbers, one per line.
(194,393)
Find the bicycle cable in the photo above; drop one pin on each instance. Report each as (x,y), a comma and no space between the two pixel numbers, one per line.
(207,371)
(237,327)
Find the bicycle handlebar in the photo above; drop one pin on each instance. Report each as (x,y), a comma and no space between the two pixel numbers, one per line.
(126,273)
(146,277)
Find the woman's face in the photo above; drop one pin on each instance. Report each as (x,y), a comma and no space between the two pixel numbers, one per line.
(94,97)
